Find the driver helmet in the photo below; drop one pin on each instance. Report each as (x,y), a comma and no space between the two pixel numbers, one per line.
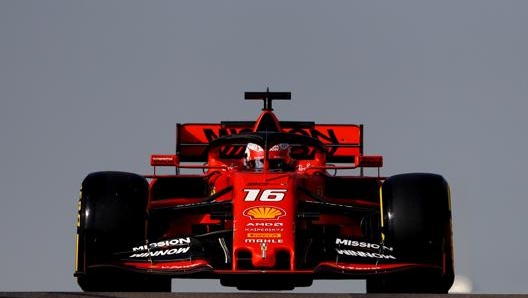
(278,156)
(254,156)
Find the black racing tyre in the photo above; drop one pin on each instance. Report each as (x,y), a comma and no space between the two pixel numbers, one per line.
(112,215)
(416,218)
(114,282)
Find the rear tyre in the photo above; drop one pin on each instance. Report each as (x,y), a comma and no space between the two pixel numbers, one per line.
(417,222)
(112,216)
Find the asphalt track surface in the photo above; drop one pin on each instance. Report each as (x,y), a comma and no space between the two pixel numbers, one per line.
(236,295)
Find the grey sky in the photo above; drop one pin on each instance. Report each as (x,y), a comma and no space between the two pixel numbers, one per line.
(441,87)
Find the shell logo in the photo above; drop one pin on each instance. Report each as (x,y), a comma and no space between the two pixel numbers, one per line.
(264,212)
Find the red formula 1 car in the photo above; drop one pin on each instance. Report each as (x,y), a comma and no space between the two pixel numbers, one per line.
(264,205)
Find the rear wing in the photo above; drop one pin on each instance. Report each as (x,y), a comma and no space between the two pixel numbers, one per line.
(344,142)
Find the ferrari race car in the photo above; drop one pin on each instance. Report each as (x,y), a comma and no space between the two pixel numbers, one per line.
(265,205)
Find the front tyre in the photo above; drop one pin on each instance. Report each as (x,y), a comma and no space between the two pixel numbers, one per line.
(109,282)
(416,220)
(112,215)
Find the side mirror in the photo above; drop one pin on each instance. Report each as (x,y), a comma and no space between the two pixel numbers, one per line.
(164,160)
(369,161)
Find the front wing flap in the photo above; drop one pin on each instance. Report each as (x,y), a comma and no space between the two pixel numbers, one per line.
(212,256)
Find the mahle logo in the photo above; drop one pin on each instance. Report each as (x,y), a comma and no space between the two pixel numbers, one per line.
(264,212)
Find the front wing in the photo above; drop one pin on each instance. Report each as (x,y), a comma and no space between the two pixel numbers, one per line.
(209,256)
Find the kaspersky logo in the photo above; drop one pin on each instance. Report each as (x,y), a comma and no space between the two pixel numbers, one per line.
(264,212)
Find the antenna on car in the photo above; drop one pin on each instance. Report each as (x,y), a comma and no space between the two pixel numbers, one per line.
(267,97)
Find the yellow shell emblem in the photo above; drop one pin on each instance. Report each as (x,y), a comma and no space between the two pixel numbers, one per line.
(264,212)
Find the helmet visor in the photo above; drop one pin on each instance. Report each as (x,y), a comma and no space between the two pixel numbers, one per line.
(257,163)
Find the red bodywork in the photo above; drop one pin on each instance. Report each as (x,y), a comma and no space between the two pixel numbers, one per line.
(226,220)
